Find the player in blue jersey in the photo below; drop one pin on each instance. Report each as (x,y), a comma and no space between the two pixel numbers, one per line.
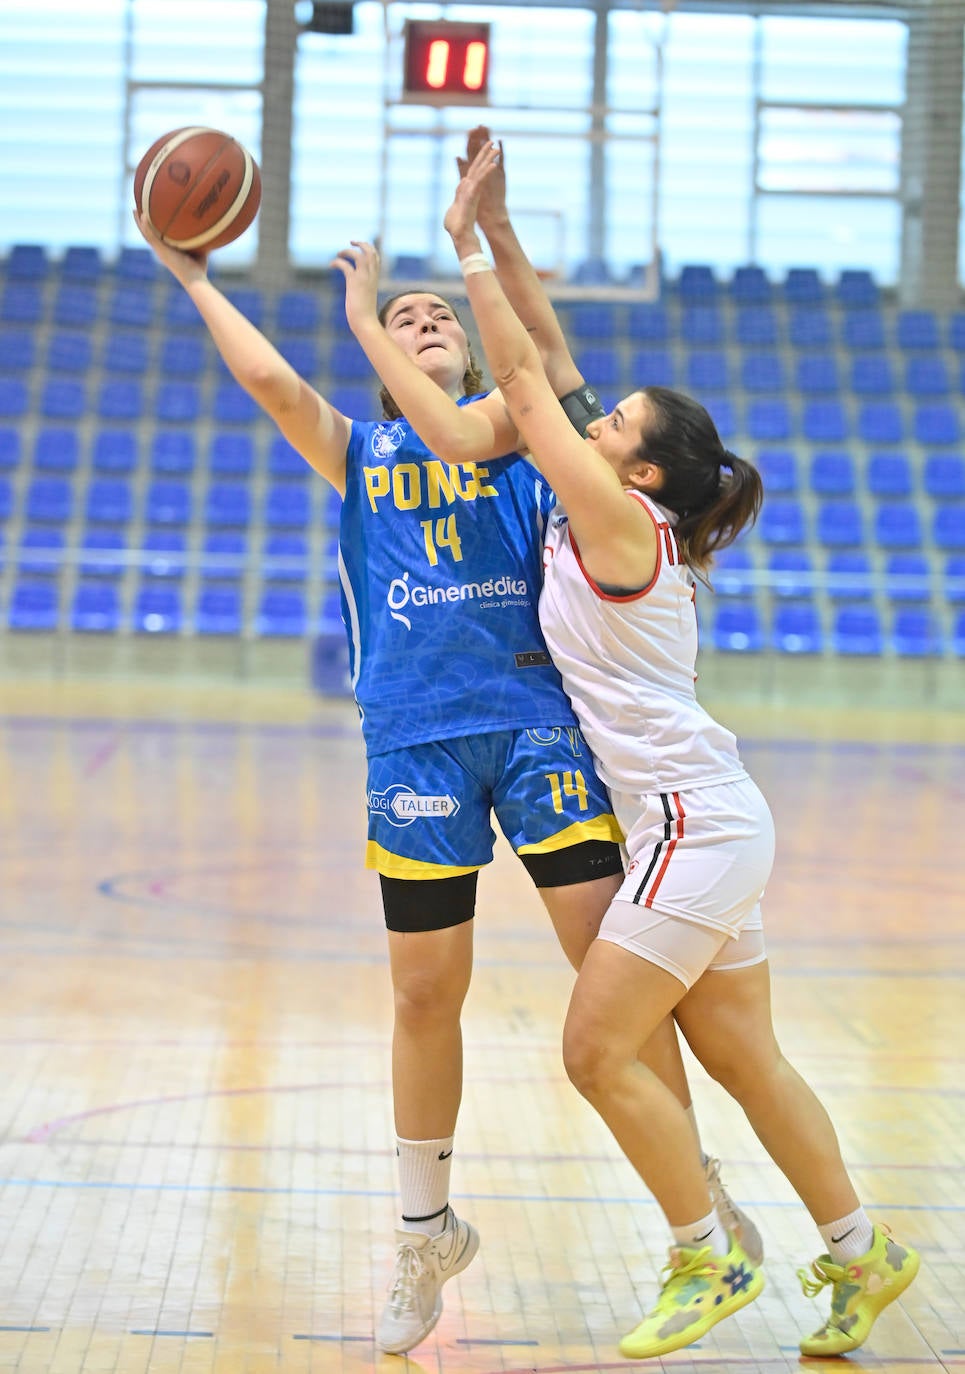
(463,713)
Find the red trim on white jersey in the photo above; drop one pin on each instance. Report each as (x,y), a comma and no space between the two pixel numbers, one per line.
(666,545)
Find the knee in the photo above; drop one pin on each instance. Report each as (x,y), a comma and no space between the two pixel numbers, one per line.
(738,1066)
(428,995)
(590,1065)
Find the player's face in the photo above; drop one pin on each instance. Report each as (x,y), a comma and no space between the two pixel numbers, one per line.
(619,435)
(425,328)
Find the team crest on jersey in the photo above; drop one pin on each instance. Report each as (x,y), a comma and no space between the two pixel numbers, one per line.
(387,438)
(400,805)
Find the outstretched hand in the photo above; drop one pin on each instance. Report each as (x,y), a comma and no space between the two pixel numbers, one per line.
(186,267)
(492,193)
(460,220)
(359,265)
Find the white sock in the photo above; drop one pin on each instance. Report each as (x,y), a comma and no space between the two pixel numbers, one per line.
(706,1231)
(424,1167)
(692,1118)
(849,1237)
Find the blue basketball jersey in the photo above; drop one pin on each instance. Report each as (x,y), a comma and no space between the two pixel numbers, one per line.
(440,567)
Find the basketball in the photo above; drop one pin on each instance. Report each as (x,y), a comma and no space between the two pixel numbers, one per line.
(198,188)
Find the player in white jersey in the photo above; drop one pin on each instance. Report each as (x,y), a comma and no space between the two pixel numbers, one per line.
(645,501)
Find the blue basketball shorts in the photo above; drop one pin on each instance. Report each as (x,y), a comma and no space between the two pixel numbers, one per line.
(430,806)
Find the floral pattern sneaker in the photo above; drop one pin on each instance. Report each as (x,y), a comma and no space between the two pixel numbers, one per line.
(861,1290)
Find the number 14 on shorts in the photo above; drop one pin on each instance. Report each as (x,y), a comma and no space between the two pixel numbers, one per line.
(569,784)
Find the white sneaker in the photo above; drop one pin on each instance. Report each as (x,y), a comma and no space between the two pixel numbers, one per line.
(422,1266)
(735,1221)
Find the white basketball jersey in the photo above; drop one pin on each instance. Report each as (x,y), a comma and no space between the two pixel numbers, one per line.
(628,665)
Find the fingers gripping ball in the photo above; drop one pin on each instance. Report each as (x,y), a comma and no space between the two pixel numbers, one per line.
(198,188)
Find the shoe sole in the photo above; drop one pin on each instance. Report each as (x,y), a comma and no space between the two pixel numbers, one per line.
(905,1277)
(693,1333)
(463,1262)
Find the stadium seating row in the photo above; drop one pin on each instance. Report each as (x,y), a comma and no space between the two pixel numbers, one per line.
(739,627)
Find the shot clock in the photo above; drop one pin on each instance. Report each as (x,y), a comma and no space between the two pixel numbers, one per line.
(446,63)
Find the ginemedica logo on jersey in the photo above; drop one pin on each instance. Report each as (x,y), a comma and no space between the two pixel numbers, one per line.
(405,597)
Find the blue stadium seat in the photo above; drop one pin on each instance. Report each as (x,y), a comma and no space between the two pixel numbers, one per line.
(157,609)
(224,556)
(41,552)
(954,579)
(233,405)
(96,608)
(863,329)
(816,374)
(227,505)
(707,370)
(168,503)
(285,461)
(721,411)
(136,264)
(957,640)
(839,525)
(10,449)
(18,350)
(82,263)
(944,476)
(49,500)
(133,309)
(797,629)
(857,632)
(69,351)
(110,501)
(126,352)
(281,614)
(163,554)
(872,375)
(956,331)
(183,356)
(917,329)
(410,266)
(907,577)
(731,572)
(792,573)
(825,421)
(856,286)
(832,472)
(750,285)
(250,301)
(63,400)
(179,310)
(778,469)
(782,521)
(218,611)
(120,401)
(173,452)
(75,306)
(56,449)
(332,508)
(927,375)
(697,282)
(948,528)
(298,310)
(602,367)
(850,576)
(231,454)
(701,325)
(768,419)
(915,634)
(803,286)
(34,607)
(809,327)
(595,321)
(285,558)
(6,498)
(652,367)
(357,402)
(302,354)
(648,323)
(889,475)
(762,372)
(881,422)
(347,362)
(287,507)
(22,303)
(115,451)
(936,424)
(14,398)
(897,525)
(104,553)
(177,403)
(737,628)
(756,327)
(27,262)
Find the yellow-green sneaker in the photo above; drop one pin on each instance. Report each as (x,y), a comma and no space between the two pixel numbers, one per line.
(862,1289)
(700,1289)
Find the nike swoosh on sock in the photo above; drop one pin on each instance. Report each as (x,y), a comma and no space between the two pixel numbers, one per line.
(836,1240)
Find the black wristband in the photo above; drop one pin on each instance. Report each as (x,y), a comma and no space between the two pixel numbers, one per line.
(581,407)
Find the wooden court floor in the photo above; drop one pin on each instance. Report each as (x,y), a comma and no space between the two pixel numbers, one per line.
(196,1164)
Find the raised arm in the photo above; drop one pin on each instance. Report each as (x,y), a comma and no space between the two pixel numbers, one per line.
(615,534)
(316,429)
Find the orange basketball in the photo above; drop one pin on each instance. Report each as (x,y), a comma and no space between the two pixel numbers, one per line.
(198,188)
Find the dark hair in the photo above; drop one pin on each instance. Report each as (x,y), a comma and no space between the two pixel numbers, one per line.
(472,378)
(713,493)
